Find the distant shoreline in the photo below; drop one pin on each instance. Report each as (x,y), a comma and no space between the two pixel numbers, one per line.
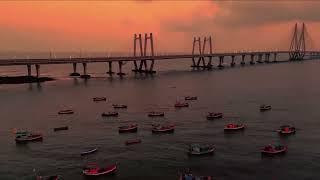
(23,79)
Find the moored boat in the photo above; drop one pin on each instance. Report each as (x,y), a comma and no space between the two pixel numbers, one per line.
(53,177)
(234,127)
(118,106)
(265,107)
(110,114)
(24,137)
(93,169)
(133,141)
(93,150)
(286,130)
(181,104)
(157,128)
(61,128)
(128,128)
(197,149)
(97,99)
(213,115)
(154,114)
(66,111)
(190,176)
(190,98)
(273,150)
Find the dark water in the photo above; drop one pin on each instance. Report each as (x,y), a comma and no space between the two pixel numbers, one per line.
(291,88)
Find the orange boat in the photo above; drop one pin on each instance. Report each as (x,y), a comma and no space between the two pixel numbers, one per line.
(274,150)
(234,127)
(93,169)
(286,130)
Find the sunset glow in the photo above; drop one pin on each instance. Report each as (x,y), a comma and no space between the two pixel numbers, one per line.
(109,26)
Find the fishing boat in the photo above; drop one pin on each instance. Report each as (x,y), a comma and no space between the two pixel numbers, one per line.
(157,128)
(92,169)
(119,106)
(234,127)
(213,115)
(264,107)
(181,104)
(97,99)
(188,98)
(133,141)
(190,176)
(197,149)
(53,177)
(89,151)
(61,128)
(155,114)
(286,130)
(66,111)
(274,150)
(25,136)
(128,128)
(110,114)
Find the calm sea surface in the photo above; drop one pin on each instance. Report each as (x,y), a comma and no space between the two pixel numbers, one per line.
(293,90)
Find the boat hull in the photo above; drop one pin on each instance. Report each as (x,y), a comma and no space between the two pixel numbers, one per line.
(157,131)
(107,172)
(191,153)
(61,128)
(234,129)
(89,152)
(26,140)
(129,130)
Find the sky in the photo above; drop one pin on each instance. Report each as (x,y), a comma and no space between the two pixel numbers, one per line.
(109,26)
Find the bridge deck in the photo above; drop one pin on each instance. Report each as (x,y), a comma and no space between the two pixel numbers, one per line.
(25,61)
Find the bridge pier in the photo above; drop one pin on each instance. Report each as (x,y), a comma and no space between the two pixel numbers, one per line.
(38,70)
(275,57)
(74,73)
(267,57)
(252,60)
(110,72)
(29,70)
(242,60)
(221,62)
(120,73)
(260,58)
(85,75)
(232,61)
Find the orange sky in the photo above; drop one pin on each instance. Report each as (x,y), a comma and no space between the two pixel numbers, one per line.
(110,25)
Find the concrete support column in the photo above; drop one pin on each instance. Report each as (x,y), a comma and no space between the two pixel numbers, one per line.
(221,61)
(38,70)
(232,61)
(260,58)
(242,60)
(252,59)
(120,73)
(74,74)
(29,69)
(110,72)
(275,57)
(84,68)
(74,67)
(267,56)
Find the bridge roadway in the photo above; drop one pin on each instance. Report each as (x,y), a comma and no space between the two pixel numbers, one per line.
(31,61)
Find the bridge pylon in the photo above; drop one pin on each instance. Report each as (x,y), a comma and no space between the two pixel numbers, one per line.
(201,48)
(140,49)
(298,44)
